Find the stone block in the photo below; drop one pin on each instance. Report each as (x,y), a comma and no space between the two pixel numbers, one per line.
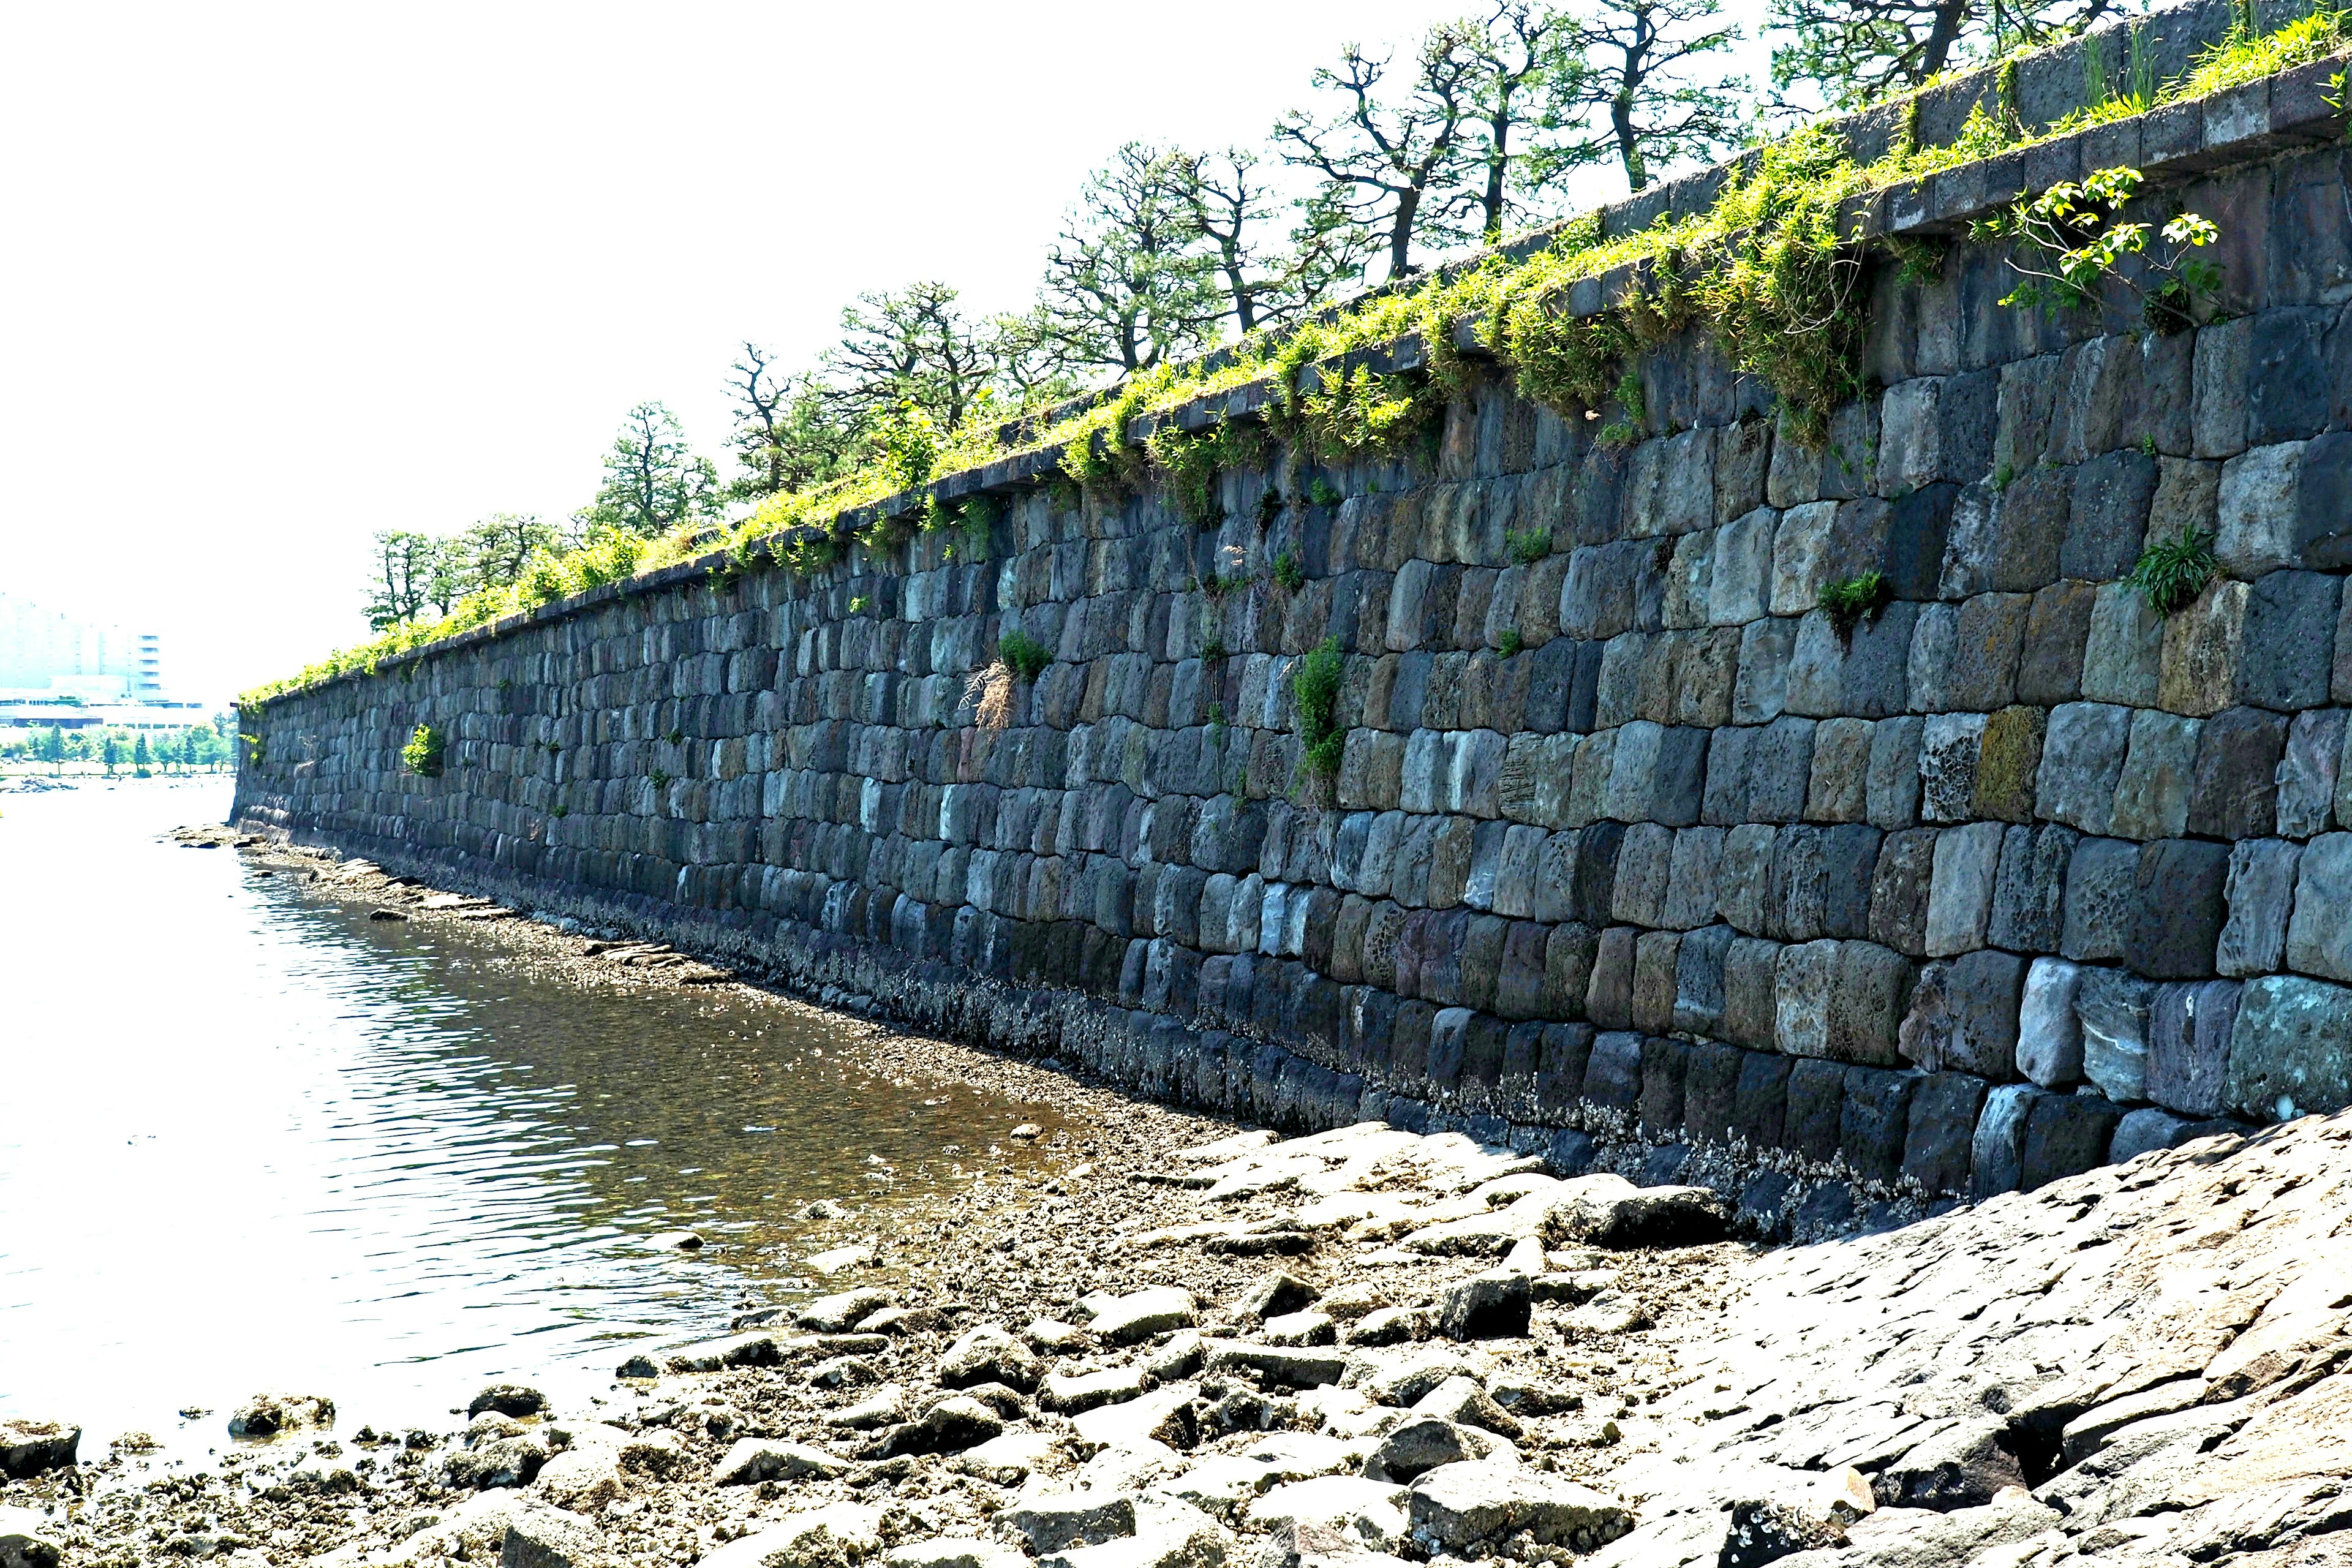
(1642,866)
(1759,1102)
(1678,783)
(2182,905)
(2081,759)
(1948,745)
(2260,893)
(2102,901)
(1654,965)
(1739,585)
(2260,510)
(1664,1065)
(1970,543)
(1812,1124)
(2108,521)
(1761,691)
(1901,887)
(1869,989)
(2324,500)
(2123,652)
(2218,408)
(1560,1069)
(1874,1119)
(1960,901)
(2049,1035)
(2146,1129)
(1751,993)
(2029,898)
(2158,777)
(1568,960)
(1966,1016)
(1892,789)
(2188,1045)
(1780,769)
(2234,793)
(2288,655)
(1804,557)
(2066,1134)
(2057,630)
(1838,790)
(1849,856)
(1594,892)
(2009,757)
(1744,877)
(2319,936)
(2029,527)
(1609,993)
(1934,651)
(1919,527)
(1691,879)
(1997,1152)
(1725,804)
(1989,639)
(1804,979)
(1699,1008)
(2308,771)
(1799,908)
(2204,646)
(1711,1092)
(2114,1007)
(1936,1147)
(2290,1048)
(1613,1074)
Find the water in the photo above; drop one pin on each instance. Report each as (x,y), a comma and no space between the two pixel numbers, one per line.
(250,1139)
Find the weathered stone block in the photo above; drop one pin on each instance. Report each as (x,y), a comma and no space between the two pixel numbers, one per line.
(2029,898)
(2319,936)
(1799,910)
(2290,1048)
(1960,901)
(1892,790)
(1997,1153)
(1813,1117)
(2081,759)
(1613,1074)
(1761,694)
(2113,1007)
(2219,383)
(1944,1111)
(1691,892)
(2182,903)
(1750,994)
(1594,892)
(1655,953)
(1934,653)
(2148,1128)
(1642,866)
(2203,648)
(2008,759)
(1919,527)
(1948,765)
(1608,997)
(1901,887)
(2158,777)
(1568,960)
(1971,1024)
(1698,1006)
(1744,877)
(2260,897)
(2307,772)
(1970,543)
(2188,1045)
(2324,500)
(1988,640)
(2112,495)
(2057,630)
(2288,653)
(2102,901)
(1869,991)
(2066,1134)
(1804,557)
(2261,511)
(2124,651)
(1839,790)
(1874,1121)
(1804,979)
(1849,853)
(2049,1035)
(1664,1066)
(2235,791)
(1739,585)
(1760,1104)
(1780,769)
(1711,1092)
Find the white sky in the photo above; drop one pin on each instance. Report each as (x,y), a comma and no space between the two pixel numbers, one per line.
(279,276)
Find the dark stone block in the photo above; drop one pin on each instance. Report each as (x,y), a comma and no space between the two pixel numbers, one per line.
(1899,890)
(1596,872)
(1921,523)
(1725,804)
(1849,857)
(2109,516)
(2029,523)
(2182,908)
(2188,1045)
(1827,1210)
(1780,769)
(1664,1167)
(1584,696)
(1875,680)
(1483,1049)
(1609,1000)
(2235,791)
(1568,969)
(1409,1045)
(1966,414)
(1664,1065)
(1560,1077)
(2290,640)
(1763,1203)
(1681,778)
(1750,1005)
(1448,1042)
(1655,953)
(2102,900)
(1943,1110)
(1875,1120)
(2029,895)
(1519,991)
(2286,373)
(2065,1136)
(1408,1116)
(1483,940)
(2057,628)
(2324,503)
(1515,1093)
(1760,1100)
(1798,900)
(1711,1091)
(1814,1124)
(1551,676)
(1698,981)
(1613,1076)
(1570,1153)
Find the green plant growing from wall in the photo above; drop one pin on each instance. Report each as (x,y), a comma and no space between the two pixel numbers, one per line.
(1024,655)
(1314,690)
(257,751)
(1212,651)
(661,779)
(860,604)
(1626,429)
(422,756)
(1850,601)
(1526,546)
(1287,573)
(2172,571)
(1320,491)
(1188,465)
(1509,644)
(2072,244)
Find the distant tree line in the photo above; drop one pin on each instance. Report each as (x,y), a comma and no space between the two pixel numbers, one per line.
(1472,133)
(120,749)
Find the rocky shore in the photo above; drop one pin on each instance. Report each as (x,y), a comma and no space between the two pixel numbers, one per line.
(1191,1346)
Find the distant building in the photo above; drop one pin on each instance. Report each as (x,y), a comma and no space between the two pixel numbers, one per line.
(47,657)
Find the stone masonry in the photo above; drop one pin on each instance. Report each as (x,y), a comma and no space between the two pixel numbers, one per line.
(2017,878)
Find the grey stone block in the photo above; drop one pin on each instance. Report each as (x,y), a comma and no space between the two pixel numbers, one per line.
(1874,1121)
(1969,543)
(2123,651)
(2049,1035)
(2289,655)
(1744,877)
(1960,901)
(1949,747)
(1804,979)
(2260,893)
(2113,1007)
(1936,1149)
(1919,528)
(2029,530)
(1725,804)
(1761,694)
(1750,998)
(1642,866)
(2182,903)
(1989,639)
(2307,772)
(1870,991)
(2102,901)
(2112,497)
(2319,936)
(2324,500)
(1691,880)
(2057,630)
(2204,647)
(2260,510)
(2028,898)
(2188,1045)
(1739,585)
(1967,1018)
(1804,557)
(1900,888)
(2082,756)
(1780,769)
(2146,1129)
(1655,958)
(1892,790)
(2235,791)
(1839,790)
(1594,892)
(2290,1049)
(1760,1100)
(1609,993)
(1666,1064)
(2159,777)
(1613,1074)
(2219,382)
(2066,1134)
(1699,1002)
(1933,654)
(1997,1153)
(1812,1116)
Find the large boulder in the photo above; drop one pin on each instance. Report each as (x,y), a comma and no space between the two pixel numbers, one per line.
(1422,1444)
(756,1459)
(28,1448)
(837,1537)
(1159,1310)
(27,1540)
(508,1399)
(267,1415)
(1607,1210)
(1495,1305)
(550,1538)
(1461,1508)
(988,1354)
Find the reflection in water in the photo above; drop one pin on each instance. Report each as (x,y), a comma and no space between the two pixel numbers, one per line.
(249,1139)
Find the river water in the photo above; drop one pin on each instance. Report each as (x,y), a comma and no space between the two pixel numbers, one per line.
(250,1140)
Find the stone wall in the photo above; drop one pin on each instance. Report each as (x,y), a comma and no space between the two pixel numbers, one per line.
(2015,878)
